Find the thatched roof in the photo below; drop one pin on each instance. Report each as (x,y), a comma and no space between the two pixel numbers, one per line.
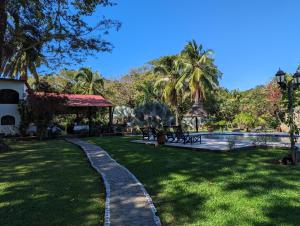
(197,110)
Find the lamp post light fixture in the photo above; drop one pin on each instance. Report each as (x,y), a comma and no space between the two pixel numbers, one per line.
(288,84)
(280,77)
(296,78)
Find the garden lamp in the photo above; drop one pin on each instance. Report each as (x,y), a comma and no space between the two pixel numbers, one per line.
(296,78)
(280,76)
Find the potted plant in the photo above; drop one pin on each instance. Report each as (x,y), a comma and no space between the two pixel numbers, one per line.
(161,137)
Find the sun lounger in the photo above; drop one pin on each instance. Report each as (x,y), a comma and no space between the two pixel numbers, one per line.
(185,137)
(145,133)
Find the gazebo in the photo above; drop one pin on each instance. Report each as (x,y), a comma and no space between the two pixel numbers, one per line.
(197,111)
(76,103)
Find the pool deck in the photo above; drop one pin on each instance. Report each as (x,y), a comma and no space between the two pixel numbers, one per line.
(217,145)
(248,134)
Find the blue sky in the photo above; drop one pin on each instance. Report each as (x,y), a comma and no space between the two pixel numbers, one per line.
(250,38)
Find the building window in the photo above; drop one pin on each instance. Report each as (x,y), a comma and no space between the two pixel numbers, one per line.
(8,120)
(9,96)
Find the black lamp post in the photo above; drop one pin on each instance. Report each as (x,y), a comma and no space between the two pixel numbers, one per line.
(288,85)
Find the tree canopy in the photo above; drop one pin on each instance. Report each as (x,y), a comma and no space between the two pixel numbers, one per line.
(52,32)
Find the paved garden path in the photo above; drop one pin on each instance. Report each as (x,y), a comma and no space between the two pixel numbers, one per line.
(127,202)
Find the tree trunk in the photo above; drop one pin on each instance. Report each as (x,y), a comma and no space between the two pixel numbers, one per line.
(176,116)
(3,23)
(197,130)
(291,122)
(110,112)
(197,96)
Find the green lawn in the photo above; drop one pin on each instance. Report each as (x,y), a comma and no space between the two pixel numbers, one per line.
(202,188)
(49,183)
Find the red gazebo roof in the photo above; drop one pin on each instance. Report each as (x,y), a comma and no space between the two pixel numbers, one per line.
(80,100)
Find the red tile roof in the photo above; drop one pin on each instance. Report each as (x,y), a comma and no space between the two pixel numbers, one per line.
(80,100)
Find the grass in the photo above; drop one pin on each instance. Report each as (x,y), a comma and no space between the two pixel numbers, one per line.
(49,183)
(202,188)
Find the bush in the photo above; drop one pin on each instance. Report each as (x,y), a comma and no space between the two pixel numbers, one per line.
(244,120)
(153,114)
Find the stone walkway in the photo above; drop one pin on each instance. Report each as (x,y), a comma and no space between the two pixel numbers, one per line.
(127,202)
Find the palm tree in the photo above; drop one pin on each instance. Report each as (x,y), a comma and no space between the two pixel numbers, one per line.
(201,73)
(89,82)
(170,69)
(148,91)
(26,57)
(200,77)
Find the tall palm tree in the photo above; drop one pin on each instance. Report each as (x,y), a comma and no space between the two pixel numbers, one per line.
(201,76)
(89,82)
(170,69)
(201,73)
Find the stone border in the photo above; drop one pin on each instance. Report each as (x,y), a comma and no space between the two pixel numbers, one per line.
(107,185)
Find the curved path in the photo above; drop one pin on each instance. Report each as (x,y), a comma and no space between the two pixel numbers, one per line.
(127,202)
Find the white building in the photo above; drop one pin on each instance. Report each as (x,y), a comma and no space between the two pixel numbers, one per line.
(11,93)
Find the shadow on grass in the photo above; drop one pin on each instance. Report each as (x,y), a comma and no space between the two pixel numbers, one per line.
(202,188)
(49,183)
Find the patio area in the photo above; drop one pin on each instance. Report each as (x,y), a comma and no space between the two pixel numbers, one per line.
(222,144)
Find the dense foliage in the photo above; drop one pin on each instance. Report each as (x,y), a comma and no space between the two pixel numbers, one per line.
(177,81)
(50,32)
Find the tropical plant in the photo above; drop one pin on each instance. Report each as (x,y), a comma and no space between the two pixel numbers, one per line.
(123,114)
(62,33)
(89,82)
(244,120)
(170,70)
(201,73)
(25,117)
(24,58)
(154,114)
(146,92)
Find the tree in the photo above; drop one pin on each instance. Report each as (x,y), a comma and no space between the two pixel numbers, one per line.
(273,107)
(154,114)
(89,82)
(245,120)
(170,69)
(146,91)
(26,60)
(202,74)
(133,89)
(58,31)
(119,93)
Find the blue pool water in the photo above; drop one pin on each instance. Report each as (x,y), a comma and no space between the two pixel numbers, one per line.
(248,137)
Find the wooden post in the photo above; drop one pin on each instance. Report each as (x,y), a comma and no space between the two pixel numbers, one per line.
(196,124)
(90,120)
(110,119)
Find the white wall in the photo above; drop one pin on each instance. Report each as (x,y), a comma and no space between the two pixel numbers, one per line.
(18,86)
(11,109)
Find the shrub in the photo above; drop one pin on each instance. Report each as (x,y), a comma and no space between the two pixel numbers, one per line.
(244,120)
(153,114)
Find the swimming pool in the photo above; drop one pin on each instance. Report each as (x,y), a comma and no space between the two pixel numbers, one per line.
(259,137)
